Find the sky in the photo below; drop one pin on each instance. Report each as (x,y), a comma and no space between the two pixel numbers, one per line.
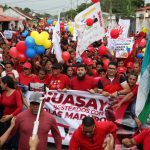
(147,1)
(44,6)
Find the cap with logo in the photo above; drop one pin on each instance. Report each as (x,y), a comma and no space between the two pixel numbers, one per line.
(35,97)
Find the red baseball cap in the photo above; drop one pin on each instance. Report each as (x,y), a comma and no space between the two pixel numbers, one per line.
(27,65)
(130,64)
(88,61)
(121,70)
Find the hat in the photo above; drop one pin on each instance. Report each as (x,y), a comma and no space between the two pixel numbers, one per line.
(35,97)
(129,64)
(88,61)
(57,66)
(27,65)
(121,70)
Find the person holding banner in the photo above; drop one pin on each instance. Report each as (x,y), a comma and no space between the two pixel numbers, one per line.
(113,85)
(91,135)
(131,96)
(82,81)
(25,122)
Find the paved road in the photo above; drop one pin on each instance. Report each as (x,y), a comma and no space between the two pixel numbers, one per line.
(52,147)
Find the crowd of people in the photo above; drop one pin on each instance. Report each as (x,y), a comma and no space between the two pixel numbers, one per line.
(94,73)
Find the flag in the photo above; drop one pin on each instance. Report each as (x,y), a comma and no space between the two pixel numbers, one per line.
(89,34)
(56,41)
(143,96)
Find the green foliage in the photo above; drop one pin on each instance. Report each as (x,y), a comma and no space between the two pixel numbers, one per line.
(122,8)
(27,10)
(5,7)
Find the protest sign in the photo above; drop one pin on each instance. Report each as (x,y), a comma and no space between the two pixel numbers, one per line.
(121,47)
(89,34)
(8,34)
(123,26)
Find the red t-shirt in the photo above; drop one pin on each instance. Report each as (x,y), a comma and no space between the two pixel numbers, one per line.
(86,84)
(12,104)
(134,90)
(45,81)
(80,141)
(25,80)
(24,125)
(143,138)
(60,82)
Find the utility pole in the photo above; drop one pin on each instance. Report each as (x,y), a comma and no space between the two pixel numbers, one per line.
(71,9)
(77,3)
(110,11)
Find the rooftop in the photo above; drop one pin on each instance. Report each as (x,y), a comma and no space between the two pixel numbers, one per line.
(7,18)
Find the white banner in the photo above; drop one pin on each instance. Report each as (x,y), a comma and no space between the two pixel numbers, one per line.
(121,47)
(69,108)
(123,26)
(87,35)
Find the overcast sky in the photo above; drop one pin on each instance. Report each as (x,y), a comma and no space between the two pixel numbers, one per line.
(147,1)
(48,6)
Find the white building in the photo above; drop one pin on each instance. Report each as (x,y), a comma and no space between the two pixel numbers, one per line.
(143,18)
(18,13)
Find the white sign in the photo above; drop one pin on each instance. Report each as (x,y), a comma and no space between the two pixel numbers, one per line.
(89,34)
(123,26)
(8,34)
(121,47)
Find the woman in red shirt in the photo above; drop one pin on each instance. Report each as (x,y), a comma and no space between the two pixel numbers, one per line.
(12,103)
(10,99)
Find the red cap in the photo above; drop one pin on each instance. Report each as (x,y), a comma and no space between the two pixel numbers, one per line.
(130,64)
(121,69)
(27,65)
(88,61)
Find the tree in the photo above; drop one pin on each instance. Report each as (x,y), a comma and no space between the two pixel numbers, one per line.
(122,8)
(5,7)
(27,10)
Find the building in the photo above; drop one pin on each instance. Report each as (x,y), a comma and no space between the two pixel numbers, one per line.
(143,18)
(6,20)
(22,16)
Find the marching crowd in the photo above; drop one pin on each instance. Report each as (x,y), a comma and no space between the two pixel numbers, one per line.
(103,74)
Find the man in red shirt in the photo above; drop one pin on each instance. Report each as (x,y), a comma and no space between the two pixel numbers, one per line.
(26,77)
(113,84)
(83,81)
(25,122)
(41,77)
(132,79)
(142,138)
(58,80)
(91,134)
